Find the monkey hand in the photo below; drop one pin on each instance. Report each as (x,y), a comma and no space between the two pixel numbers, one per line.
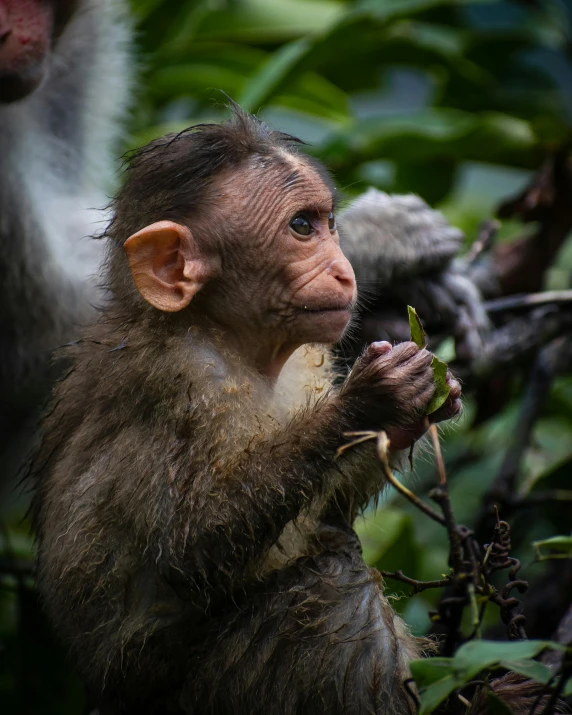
(390,388)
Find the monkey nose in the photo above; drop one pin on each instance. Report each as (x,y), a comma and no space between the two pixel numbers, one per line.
(342,271)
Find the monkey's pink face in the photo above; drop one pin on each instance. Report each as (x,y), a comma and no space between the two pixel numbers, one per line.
(27,31)
(290,279)
(262,262)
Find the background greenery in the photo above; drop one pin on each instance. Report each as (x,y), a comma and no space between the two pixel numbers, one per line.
(456,101)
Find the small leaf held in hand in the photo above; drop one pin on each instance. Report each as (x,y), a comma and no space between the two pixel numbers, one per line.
(416,328)
(442,390)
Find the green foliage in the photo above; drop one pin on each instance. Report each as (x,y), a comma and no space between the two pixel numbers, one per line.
(426,85)
(560,548)
(437,678)
(442,389)
(416,328)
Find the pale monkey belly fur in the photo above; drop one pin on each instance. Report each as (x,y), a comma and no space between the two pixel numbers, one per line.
(307,377)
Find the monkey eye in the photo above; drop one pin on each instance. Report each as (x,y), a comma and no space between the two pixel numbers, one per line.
(300,225)
(331,221)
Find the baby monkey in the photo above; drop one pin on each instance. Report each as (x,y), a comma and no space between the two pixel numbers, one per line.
(194,526)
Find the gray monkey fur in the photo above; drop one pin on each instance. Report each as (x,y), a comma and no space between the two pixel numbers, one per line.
(404,252)
(56,149)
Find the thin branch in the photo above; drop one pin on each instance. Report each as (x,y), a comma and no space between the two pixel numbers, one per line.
(360,438)
(540,381)
(512,302)
(418,586)
(484,240)
(382,451)
(438,455)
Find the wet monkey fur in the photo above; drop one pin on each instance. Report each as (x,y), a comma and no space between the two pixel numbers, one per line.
(194,526)
(64,84)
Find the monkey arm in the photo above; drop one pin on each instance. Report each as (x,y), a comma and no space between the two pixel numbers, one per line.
(231,508)
(219,524)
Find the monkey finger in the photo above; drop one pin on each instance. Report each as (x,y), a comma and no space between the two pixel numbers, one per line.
(453,404)
(451,408)
(454,385)
(410,353)
(373,352)
(415,364)
(380,347)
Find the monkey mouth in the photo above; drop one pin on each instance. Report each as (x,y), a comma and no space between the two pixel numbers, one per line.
(325,309)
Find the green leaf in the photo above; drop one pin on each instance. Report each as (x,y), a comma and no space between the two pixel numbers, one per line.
(442,389)
(272,74)
(427,671)
(430,134)
(389,8)
(436,681)
(475,656)
(561,544)
(437,678)
(530,669)
(263,22)
(416,328)
(434,695)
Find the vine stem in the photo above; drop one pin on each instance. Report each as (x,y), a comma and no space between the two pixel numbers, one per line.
(383,452)
(438,455)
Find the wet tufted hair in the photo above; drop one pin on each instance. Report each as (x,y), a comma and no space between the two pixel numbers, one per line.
(170,179)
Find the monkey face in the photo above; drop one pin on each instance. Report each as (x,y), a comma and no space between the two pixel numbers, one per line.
(262,261)
(282,255)
(28,29)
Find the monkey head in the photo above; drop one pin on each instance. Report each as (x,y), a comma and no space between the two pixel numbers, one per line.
(28,31)
(260,260)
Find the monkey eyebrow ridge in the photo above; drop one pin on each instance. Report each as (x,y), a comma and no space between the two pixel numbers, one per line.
(293,178)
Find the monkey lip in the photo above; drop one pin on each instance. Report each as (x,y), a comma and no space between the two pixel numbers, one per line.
(326,323)
(325,309)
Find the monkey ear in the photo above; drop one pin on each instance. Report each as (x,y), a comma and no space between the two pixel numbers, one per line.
(166,265)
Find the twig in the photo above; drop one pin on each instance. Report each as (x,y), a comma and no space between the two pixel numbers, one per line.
(360,438)
(418,586)
(438,455)
(527,300)
(440,495)
(516,342)
(539,384)
(484,240)
(498,558)
(382,451)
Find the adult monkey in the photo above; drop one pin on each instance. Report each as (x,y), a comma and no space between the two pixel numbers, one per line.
(194,525)
(64,76)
